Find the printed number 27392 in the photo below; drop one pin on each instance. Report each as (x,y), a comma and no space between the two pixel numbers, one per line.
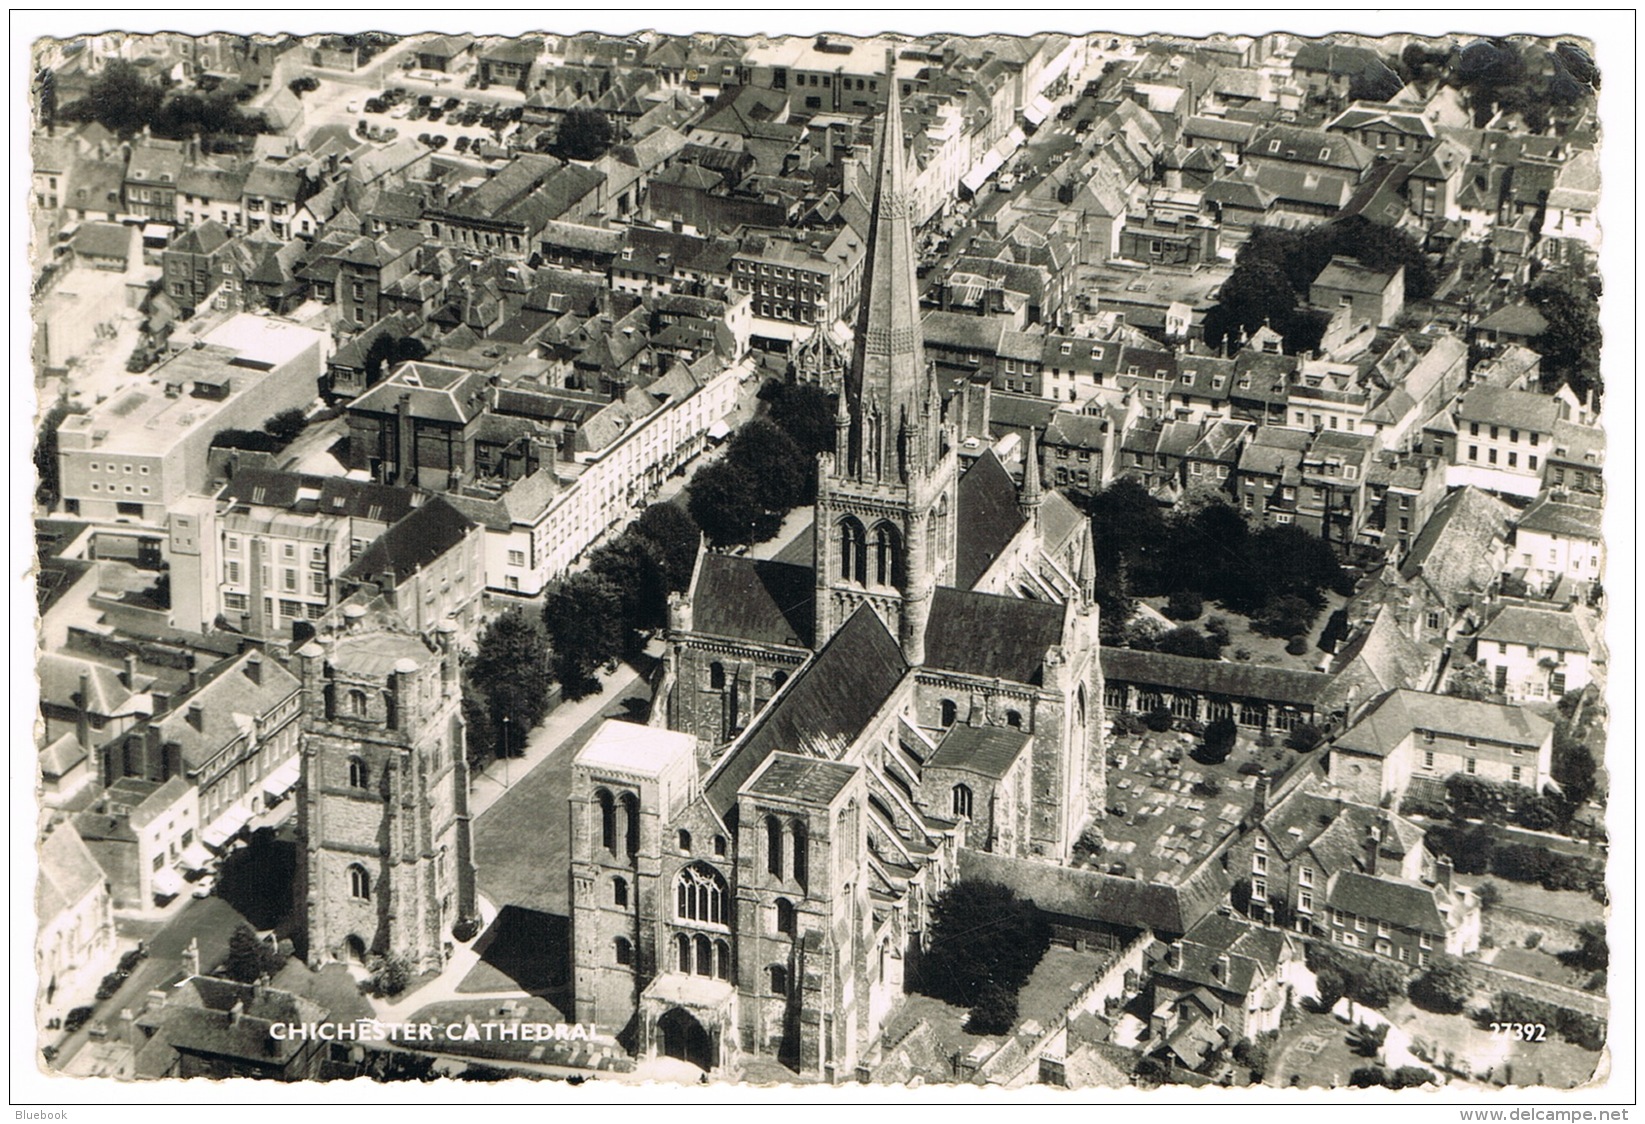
(1525,1032)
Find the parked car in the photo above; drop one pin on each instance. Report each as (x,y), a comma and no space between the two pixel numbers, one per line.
(204,887)
(462,144)
(453,103)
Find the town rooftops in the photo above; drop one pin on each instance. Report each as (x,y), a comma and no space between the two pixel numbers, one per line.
(1398,714)
(223,709)
(102,240)
(1514,319)
(436,392)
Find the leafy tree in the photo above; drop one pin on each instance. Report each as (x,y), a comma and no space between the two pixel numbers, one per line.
(1570,346)
(584,615)
(1593,951)
(1444,988)
(120,99)
(1330,987)
(1375,84)
(1184,605)
(249,959)
(1220,738)
(1367,1040)
(634,566)
(994,1010)
(1253,1054)
(1184,640)
(780,470)
(1289,615)
(676,537)
(388,351)
(584,134)
(725,503)
(1305,737)
(1489,894)
(512,666)
(480,738)
(1159,719)
(286,426)
(392,976)
(1470,681)
(806,414)
(1573,769)
(1410,1077)
(48,489)
(982,936)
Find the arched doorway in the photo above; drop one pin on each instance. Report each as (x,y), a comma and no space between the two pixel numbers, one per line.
(683,1037)
(354,949)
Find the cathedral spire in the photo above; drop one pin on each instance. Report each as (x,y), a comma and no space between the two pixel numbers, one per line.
(888,368)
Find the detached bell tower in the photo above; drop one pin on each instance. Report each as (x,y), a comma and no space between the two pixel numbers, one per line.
(886,496)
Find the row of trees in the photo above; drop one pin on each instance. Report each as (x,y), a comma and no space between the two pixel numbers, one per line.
(1570,345)
(1276,267)
(767,470)
(124,101)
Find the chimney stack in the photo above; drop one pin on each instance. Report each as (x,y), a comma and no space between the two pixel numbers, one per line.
(1259,799)
(1442,872)
(128,675)
(196,716)
(193,672)
(254,667)
(1372,845)
(1224,967)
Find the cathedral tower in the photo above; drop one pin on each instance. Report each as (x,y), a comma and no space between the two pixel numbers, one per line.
(886,497)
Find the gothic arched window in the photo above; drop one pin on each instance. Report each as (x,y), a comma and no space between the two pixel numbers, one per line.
(778,975)
(625,950)
(359,774)
(700,895)
(682,952)
(950,712)
(962,800)
(785,917)
(716,676)
(705,956)
(359,883)
(853,551)
(619,891)
(1013,719)
(357,703)
(797,828)
(887,555)
(722,960)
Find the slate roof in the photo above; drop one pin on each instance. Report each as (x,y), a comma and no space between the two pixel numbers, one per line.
(412,543)
(1410,905)
(1253,955)
(1348,275)
(990,517)
(788,776)
(1088,895)
(1542,628)
(822,711)
(228,701)
(60,683)
(1454,551)
(990,635)
(103,240)
(988,751)
(201,1019)
(1515,319)
(1394,716)
(1572,519)
(750,599)
(1312,146)
(1214,677)
(67,874)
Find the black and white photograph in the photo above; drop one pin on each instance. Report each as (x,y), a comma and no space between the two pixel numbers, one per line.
(726,558)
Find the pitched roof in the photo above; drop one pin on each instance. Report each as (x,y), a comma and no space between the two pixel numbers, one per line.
(1393,717)
(991,635)
(239,690)
(1521,409)
(989,514)
(1089,895)
(1572,519)
(1455,550)
(412,543)
(67,874)
(822,710)
(750,599)
(988,751)
(102,240)
(1350,276)
(788,776)
(1541,628)
(1214,677)
(1515,319)
(1410,905)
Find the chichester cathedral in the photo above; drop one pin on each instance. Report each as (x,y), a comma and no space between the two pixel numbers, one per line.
(751,873)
